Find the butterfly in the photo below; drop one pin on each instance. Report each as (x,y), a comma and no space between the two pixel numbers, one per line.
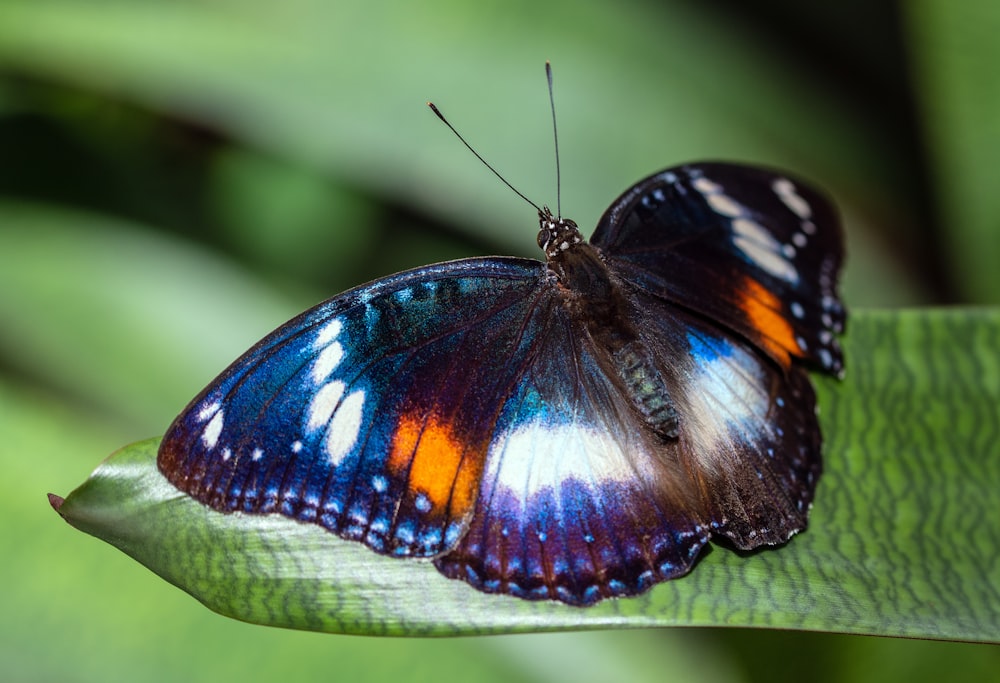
(572,430)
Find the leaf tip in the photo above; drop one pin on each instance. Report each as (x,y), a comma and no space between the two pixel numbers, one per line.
(56,501)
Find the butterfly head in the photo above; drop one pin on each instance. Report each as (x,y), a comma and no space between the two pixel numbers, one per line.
(556,235)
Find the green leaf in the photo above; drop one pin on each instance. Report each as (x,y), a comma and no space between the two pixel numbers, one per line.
(902,538)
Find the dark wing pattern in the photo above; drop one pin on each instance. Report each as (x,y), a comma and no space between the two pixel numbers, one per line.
(752,249)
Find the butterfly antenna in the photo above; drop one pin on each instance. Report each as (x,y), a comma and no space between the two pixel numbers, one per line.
(555,135)
(485,163)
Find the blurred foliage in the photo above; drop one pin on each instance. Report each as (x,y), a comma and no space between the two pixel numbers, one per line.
(157,158)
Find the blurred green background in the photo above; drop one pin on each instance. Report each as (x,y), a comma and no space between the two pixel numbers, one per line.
(177,178)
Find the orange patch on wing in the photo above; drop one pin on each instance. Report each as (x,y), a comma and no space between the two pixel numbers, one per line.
(436,463)
(763,310)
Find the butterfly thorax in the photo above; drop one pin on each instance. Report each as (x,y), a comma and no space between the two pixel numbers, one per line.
(580,270)
(596,302)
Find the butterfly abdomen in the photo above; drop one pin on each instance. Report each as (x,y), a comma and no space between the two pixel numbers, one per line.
(646,388)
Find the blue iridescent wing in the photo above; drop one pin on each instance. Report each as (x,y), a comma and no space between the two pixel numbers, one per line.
(369,414)
(402,413)
(749,248)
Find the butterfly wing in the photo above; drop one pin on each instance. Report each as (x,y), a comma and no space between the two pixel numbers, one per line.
(749,248)
(578,501)
(369,414)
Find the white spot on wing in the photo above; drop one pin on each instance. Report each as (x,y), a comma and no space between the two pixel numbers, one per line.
(324,402)
(208,411)
(422,503)
(329,332)
(706,186)
(753,230)
(761,248)
(724,205)
(327,361)
(716,197)
(538,456)
(826,358)
(344,427)
(726,399)
(785,190)
(772,262)
(213,429)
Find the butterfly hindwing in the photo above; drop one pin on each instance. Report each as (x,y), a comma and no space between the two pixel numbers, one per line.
(749,248)
(748,433)
(578,501)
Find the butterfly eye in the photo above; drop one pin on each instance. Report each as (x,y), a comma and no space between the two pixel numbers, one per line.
(544,235)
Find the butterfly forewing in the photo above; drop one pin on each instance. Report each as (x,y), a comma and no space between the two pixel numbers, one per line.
(369,414)
(751,249)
